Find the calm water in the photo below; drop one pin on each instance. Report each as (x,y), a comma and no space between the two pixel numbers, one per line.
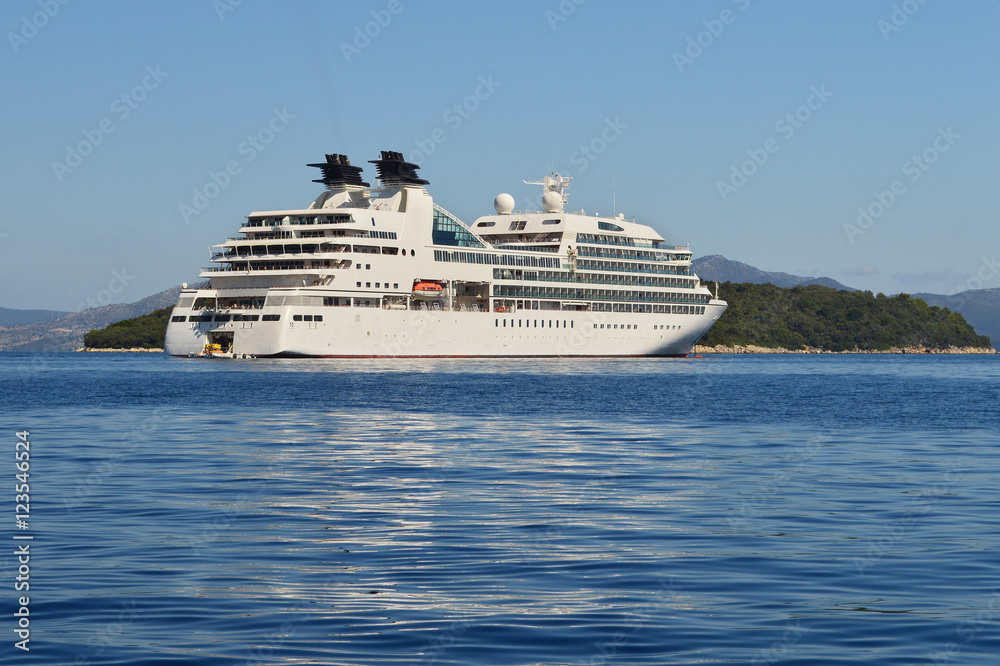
(719,510)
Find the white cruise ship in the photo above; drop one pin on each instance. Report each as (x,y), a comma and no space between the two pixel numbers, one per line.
(384,271)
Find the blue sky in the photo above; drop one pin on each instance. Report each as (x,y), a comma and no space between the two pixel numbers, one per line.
(747,128)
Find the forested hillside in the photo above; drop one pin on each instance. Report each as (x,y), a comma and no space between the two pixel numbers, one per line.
(145,332)
(821,317)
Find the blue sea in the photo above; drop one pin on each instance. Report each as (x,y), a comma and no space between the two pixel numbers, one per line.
(719,510)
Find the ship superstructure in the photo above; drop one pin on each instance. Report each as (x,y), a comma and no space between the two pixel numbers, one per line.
(384,271)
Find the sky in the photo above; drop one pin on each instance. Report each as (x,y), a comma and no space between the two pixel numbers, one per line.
(855,139)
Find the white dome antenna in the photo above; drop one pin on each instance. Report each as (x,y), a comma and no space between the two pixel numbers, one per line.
(504,203)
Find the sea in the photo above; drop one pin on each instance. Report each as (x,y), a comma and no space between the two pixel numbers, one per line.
(725,509)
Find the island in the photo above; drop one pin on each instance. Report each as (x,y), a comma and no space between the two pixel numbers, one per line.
(763,318)
(145,333)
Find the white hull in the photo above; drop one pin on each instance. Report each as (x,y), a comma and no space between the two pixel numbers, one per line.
(373,332)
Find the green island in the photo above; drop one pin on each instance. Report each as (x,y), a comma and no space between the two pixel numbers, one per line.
(759,315)
(817,317)
(145,332)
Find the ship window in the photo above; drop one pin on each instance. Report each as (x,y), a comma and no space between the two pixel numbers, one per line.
(551,221)
(359,284)
(447,230)
(296,317)
(251,317)
(368,267)
(486,224)
(307,317)
(368,284)
(222,317)
(536,323)
(359,268)
(395,285)
(505,323)
(519,323)
(412,253)
(571,324)
(271,317)
(178,318)
(496,322)
(377,285)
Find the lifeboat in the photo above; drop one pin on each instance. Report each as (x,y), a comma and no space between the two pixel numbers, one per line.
(427,289)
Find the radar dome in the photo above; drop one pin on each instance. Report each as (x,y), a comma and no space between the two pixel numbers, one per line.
(552,202)
(504,203)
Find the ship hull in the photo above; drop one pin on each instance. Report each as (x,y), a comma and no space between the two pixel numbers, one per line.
(350,332)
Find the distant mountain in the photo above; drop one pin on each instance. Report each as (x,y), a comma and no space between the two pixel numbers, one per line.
(10,317)
(980,307)
(716,268)
(66,333)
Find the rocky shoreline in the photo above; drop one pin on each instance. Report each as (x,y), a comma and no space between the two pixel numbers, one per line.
(132,349)
(754,349)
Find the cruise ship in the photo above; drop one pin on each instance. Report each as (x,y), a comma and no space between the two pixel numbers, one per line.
(386,272)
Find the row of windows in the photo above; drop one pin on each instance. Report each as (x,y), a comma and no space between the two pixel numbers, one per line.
(378,285)
(622,267)
(603,239)
(516,225)
(533,323)
(307,317)
(234,251)
(224,317)
(528,323)
(588,278)
(496,259)
(645,308)
(635,255)
(569,293)
(299,219)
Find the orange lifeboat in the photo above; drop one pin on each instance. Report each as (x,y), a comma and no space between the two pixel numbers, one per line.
(427,289)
